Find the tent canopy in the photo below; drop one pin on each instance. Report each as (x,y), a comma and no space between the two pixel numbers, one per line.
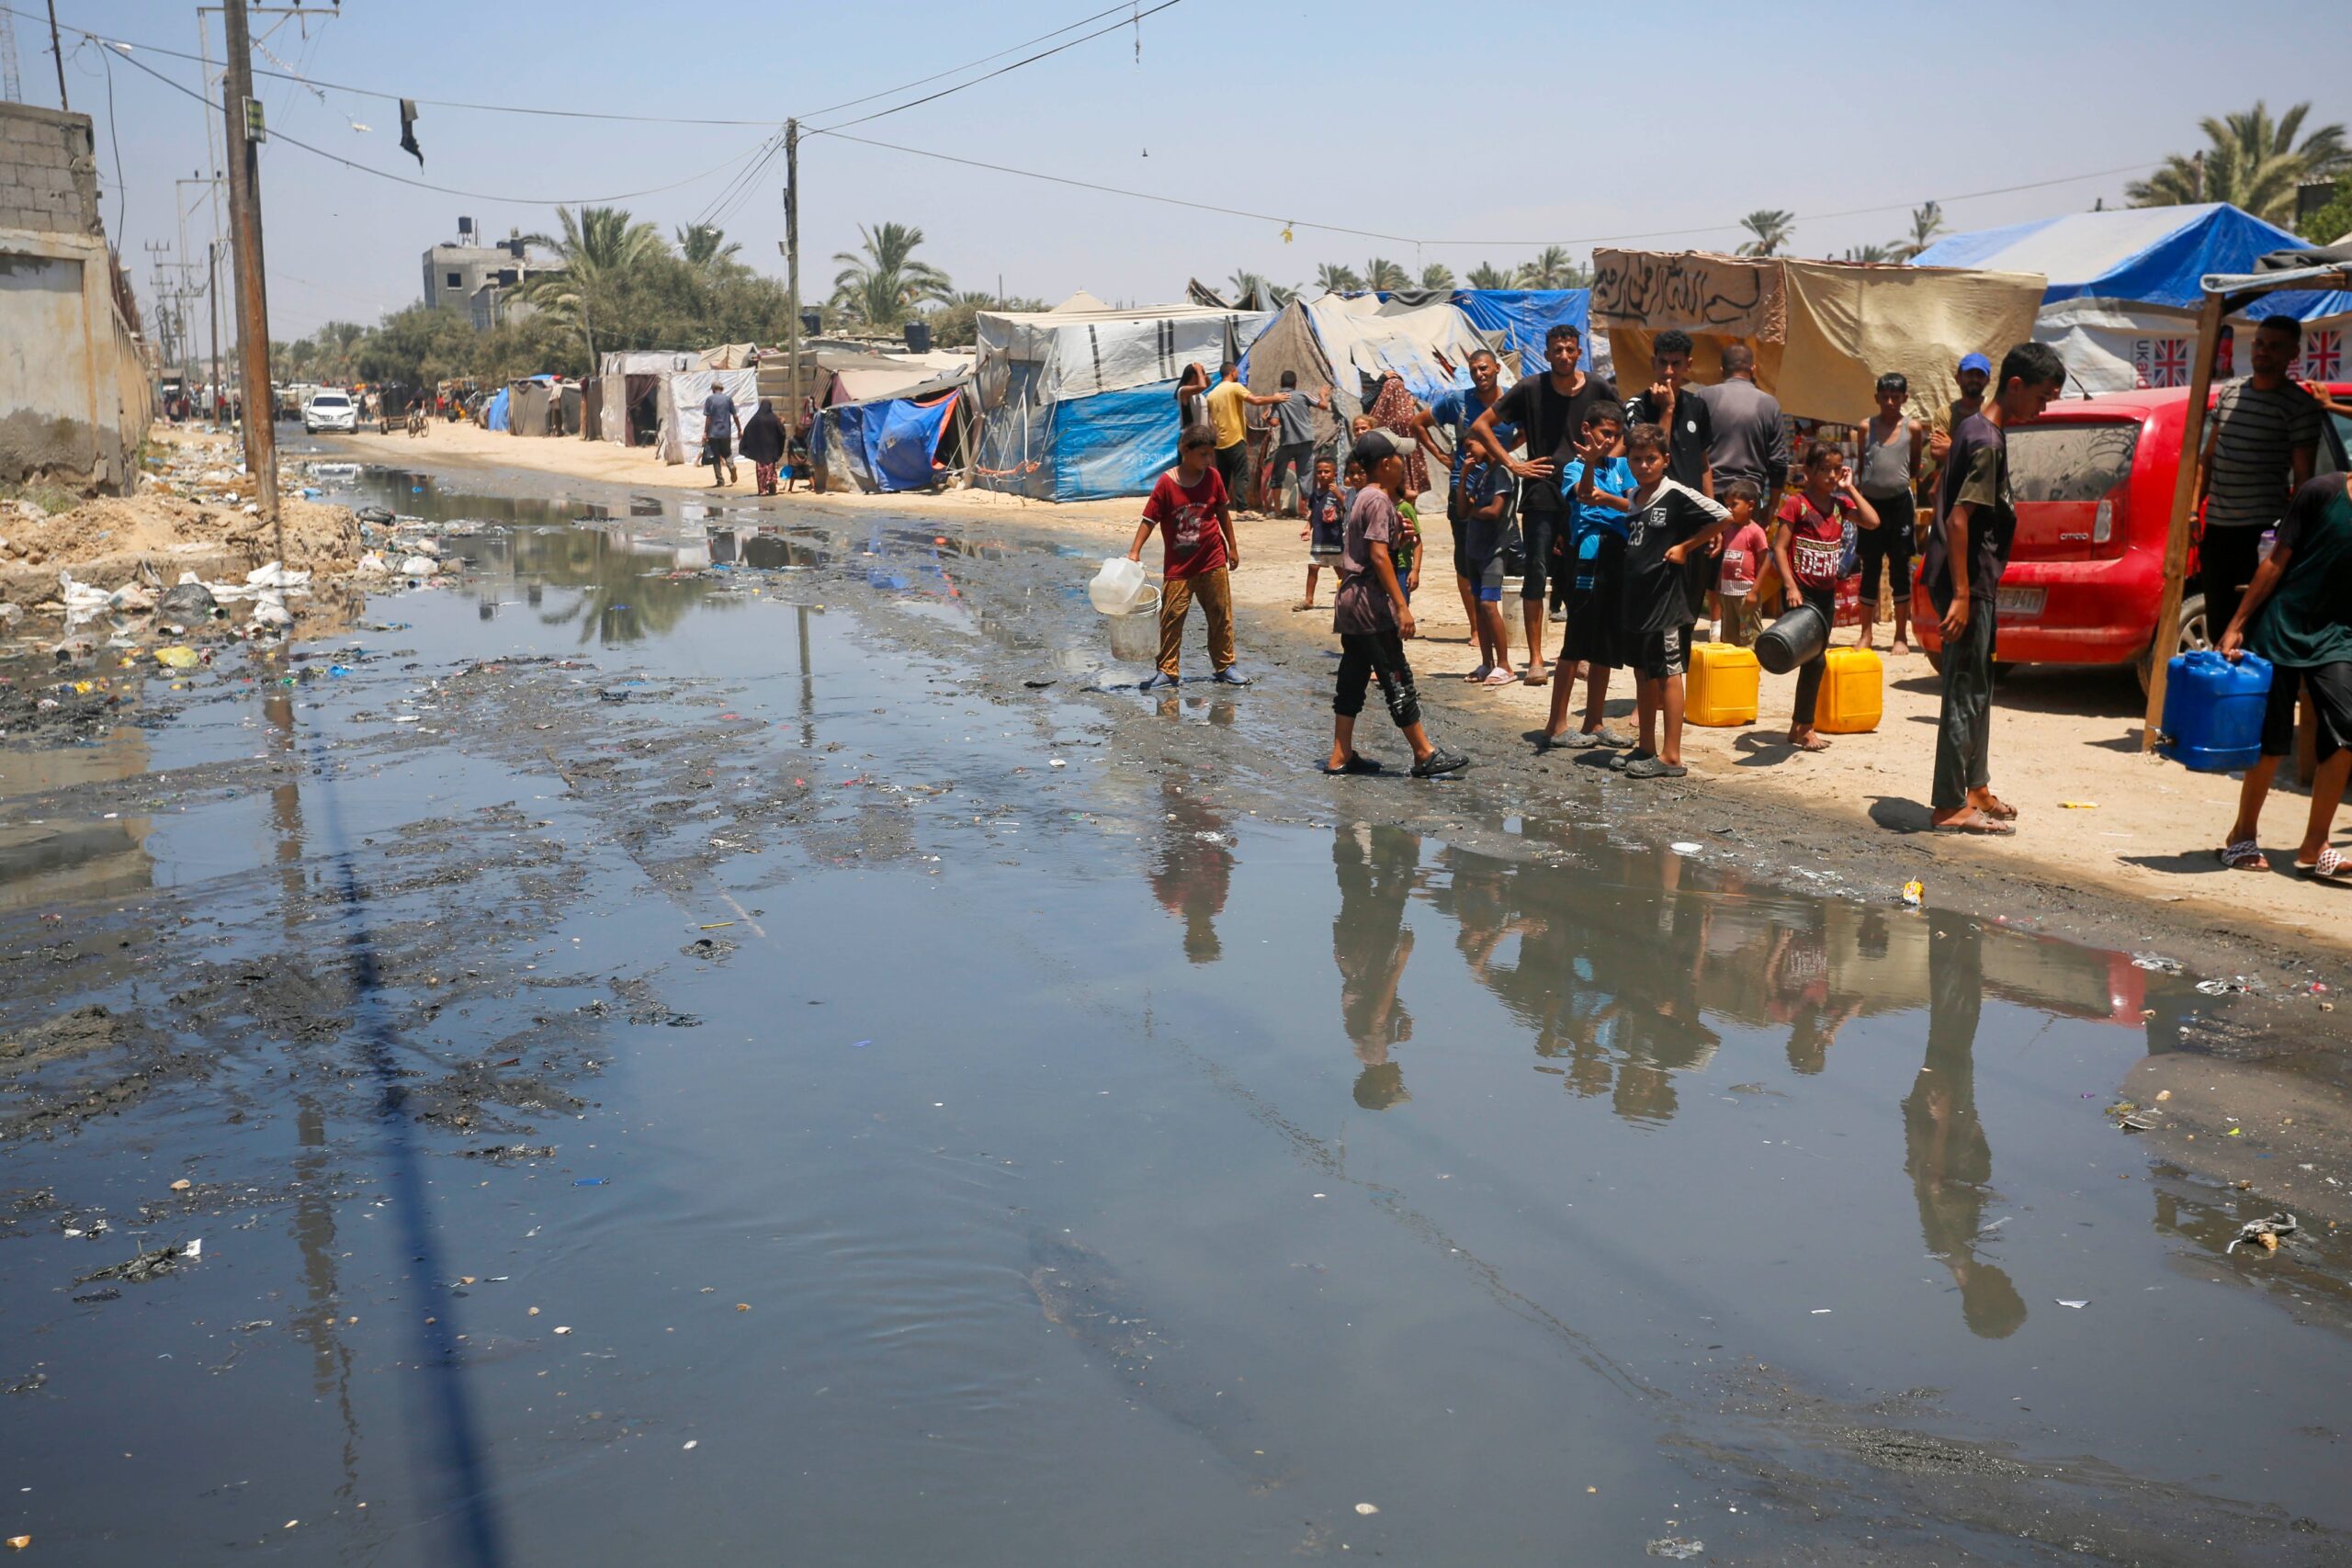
(1043,356)
(1823,331)
(2155,255)
(1427,346)
(1080,301)
(1523,316)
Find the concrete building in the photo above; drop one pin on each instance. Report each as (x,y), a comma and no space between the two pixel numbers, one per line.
(77,377)
(454,274)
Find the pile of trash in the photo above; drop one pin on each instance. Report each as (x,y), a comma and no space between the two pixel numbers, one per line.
(254,606)
(124,546)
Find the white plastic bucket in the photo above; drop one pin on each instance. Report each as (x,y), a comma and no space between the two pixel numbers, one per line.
(1135,636)
(1119,587)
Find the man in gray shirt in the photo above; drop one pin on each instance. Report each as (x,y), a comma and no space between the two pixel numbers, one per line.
(2262,443)
(1295,440)
(1751,438)
(719,425)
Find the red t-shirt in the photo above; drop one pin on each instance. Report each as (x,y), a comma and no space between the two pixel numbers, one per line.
(1744,556)
(1186,518)
(1816,538)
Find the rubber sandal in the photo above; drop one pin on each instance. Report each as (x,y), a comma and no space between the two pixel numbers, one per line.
(1438,763)
(1625,760)
(1975,822)
(1360,766)
(1500,678)
(2001,810)
(1576,740)
(2244,855)
(1655,768)
(2330,867)
(1615,739)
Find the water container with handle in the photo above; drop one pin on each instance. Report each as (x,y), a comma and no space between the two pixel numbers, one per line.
(1135,636)
(1118,588)
(1797,637)
(2214,711)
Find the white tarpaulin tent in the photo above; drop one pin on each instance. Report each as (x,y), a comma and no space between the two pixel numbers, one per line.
(2121,307)
(680,401)
(1371,338)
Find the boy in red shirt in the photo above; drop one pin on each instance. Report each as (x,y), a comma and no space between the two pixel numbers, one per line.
(1189,507)
(1744,552)
(1808,546)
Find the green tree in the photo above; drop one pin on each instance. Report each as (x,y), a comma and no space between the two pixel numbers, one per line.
(1768,228)
(2250,161)
(955,324)
(1437,275)
(1380,273)
(2330,223)
(604,251)
(707,245)
(1873,253)
(882,283)
(1338,277)
(1553,269)
(1486,275)
(1927,222)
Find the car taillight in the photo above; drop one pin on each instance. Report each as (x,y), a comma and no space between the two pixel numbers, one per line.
(2103,523)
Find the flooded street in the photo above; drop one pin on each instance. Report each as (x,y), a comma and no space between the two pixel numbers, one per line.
(713,1044)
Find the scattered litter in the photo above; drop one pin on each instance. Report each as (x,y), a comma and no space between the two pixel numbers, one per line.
(1676,1547)
(1058,762)
(1823,1311)
(588,1181)
(860,1044)
(2078,805)
(1915,893)
(2157,963)
(1685,847)
(691,1444)
(2137,1122)
(2162,1094)
(18,1542)
(2264,1233)
(177,658)
(2236,985)
(2076,1305)
(1367,1507)
(715,926)
(143,1267)
(565,1329)
(182,1184)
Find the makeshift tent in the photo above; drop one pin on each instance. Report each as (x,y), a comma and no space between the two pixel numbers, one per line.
(1348,342)
(631,381)
(529,405)
(1524,316)
(2120,306)
(1081,300)
(494,416)
(911,442)
(1823,331)
(1089,377)
(679,402)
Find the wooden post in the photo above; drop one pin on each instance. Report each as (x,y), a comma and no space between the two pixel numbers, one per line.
(2183,503)
(245,241)
(792,282)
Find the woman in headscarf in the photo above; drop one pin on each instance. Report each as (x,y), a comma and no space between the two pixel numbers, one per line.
(1395,412)
(763,442)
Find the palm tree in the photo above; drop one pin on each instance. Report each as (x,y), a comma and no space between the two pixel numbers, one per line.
(2250,161)
(1927,222)
(601,248)
(1486,275)
(1336,277)
(880,286)
(1437,275)
(1245,286)
(1872,252)
(707,245)
(1770,228)
(1552,269)
(1380,273)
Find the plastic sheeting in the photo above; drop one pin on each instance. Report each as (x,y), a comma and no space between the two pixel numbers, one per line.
(1050,356)
(889,444)
(2152,256)
(1359,334)
(496,418)
(1093,448)
(1523,316)
(1823,331)
(680,401)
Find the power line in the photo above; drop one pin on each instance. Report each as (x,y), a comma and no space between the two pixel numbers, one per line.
(924,81)
(1490,244)
(426,185)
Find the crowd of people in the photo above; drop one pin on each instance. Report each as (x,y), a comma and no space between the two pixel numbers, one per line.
(1628,520)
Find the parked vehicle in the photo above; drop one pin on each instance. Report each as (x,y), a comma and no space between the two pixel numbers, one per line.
(2093,478)
(330,411)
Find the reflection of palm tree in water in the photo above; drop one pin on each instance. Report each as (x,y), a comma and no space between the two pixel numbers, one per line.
(1944,1145)
(1192,871)
(1371,943)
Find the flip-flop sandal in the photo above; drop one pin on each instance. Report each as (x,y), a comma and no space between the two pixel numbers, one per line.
(1543,679)
(1977,823)
(1480,673)
(2330,867)
(1500,678)
(2244,855)
(2001,810)
(1358,765)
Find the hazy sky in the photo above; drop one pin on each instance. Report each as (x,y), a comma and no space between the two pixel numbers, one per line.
(1508,123)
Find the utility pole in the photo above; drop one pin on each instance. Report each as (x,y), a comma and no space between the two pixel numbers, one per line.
(57,52)
(213,300)
(792,260)
(242,118)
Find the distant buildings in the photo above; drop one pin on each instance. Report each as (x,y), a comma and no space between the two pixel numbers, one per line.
(485,281)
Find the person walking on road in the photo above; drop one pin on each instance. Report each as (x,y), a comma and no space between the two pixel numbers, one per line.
(1962,566)
(1374,619)
(718,427)
(2298,614)
(764,444)
(1199,552)
(2261,445)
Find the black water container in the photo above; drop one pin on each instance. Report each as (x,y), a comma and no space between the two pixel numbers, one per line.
(1799,634)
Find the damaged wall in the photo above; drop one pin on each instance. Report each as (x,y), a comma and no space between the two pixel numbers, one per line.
(76,389)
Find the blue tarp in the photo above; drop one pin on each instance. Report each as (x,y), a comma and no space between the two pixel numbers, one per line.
(2152,256)
(888,443)
(1525,315)
(496,419)
(1114,443)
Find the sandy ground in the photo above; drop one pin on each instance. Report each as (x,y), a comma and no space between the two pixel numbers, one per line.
(2142,826)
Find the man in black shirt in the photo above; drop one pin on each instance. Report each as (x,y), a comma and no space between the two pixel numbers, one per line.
(1962,566)
(1675,407)
(1549,411)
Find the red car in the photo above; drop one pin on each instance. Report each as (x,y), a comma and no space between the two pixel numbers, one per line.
(2093,478)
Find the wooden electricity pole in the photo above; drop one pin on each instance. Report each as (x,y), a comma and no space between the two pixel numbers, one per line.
(792,267)
(245,128)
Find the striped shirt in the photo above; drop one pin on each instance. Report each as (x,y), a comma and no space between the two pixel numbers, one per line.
(2255,436)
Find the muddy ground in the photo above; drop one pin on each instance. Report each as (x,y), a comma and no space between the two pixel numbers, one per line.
(774,1001)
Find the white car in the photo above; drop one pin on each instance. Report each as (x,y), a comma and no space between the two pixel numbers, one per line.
(330,411)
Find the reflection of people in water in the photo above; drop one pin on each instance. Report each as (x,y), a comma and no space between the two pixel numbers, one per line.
(1660,1031)
(1797,976)
(1370,942)
(1944,1146)
(1192,870)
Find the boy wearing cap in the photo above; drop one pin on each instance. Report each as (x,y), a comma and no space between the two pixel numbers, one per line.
(1195,523)
(1374,619)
